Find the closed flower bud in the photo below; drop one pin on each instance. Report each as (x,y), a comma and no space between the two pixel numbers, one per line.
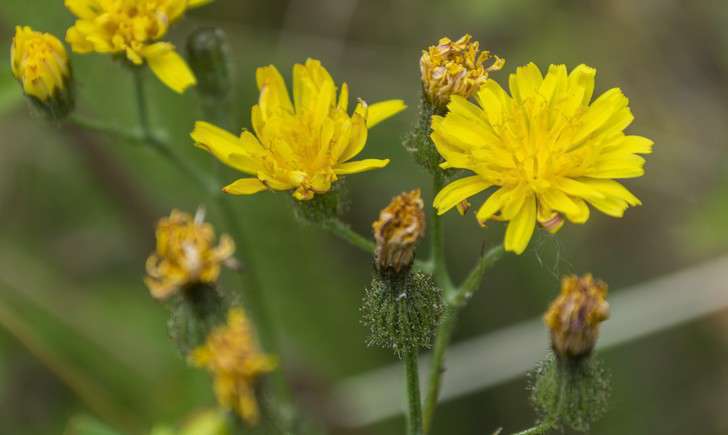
(455,68)
(399,227)
(186,254)
(40,63)
(208,54)
(575,315)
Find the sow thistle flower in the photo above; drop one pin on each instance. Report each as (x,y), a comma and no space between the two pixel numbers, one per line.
(546,149)
(455,68)
(132,28)
(186,254)
(303,145)
(232,356)
(40,63)
(574,316)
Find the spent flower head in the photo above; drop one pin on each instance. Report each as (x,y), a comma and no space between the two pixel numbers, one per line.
(133,28)
(186,254)
(40,63)
(399,227)
(303,145)
(546,148)
(234,359)
(455,68)
(575,315)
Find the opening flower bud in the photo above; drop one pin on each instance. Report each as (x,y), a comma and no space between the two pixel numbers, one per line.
(575,315)
(400,225)
(40,63)
(455,68)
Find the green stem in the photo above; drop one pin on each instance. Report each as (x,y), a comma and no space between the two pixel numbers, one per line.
(454,301)
(344,232)
(414,409)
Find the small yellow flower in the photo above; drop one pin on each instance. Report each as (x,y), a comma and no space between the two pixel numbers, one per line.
(233,358)
(575,315)
(185,254)
(400,225)
(133,28)
(40,62)
(455,68)
(546,147)
(304,145)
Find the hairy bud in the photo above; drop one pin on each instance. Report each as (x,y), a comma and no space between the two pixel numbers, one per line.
(209,56)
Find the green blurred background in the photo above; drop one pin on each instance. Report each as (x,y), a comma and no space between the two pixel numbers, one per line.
(77,212)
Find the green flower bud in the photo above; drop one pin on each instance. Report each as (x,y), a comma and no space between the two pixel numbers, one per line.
(195,311)
(403,312)
(208,53)
(322,208)
(419,143)
(571,393)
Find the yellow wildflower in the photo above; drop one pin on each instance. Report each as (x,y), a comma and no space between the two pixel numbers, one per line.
(400,225)
(133,28)
(546,149)
(304,145)
(40,62)
(232,356)
(185,254)
(575,315)
(455,68)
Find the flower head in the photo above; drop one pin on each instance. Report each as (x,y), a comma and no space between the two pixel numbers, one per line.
(575,315)
(547,149)
(304,145)
(40,62)
(455,68)
(400,225)
(185,254)
(232,356)
(133,28)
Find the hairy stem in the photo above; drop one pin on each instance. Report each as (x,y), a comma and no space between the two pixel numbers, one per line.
(440,272)
(344,232)
(414,408)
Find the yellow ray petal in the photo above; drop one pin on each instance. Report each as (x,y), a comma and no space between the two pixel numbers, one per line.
(169,66)
(225,146)
(360,166)
(382,110)
(457,191)
(245,186)
(83,8)
(492,205)
(583,77)
(525,82)
(273,92)
(520,229)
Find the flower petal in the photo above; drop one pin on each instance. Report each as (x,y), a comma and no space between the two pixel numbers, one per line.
(520,229)
(382,110)
(273,92)
(360,166)
(458,191)
(245,186)
(169,66)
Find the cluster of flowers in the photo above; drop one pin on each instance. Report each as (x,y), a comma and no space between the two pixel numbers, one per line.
(545,150)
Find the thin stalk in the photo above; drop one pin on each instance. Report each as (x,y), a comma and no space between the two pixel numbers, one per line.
(414,408)
(344,232)
(539,429)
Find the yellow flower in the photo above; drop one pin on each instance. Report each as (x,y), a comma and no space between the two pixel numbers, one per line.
(185,254)
(455,68)
(232,356)
(39,61)
(304,145)
(133,28)
(575,315)
(400,225)
(546,149)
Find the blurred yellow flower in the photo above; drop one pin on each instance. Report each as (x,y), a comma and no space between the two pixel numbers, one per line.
(304,145)
(575,315)
(133,28)
(455,68)
(39,61)
(546,149)
(233,358)
(185,254)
